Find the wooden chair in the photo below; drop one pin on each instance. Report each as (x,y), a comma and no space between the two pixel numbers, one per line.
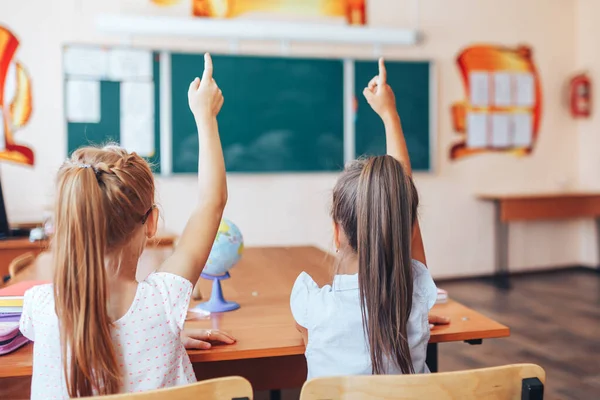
(510,382)
(229,388)
(18,264)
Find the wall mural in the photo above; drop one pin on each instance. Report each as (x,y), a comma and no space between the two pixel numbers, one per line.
(15,101)
(503,105)
(353,11)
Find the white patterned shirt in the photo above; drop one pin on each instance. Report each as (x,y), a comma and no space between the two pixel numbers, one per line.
(146,339)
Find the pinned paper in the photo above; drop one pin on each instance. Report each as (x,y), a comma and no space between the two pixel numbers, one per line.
(83,101)
(477,124)
(523,129)
(480,91)
(137,134)
(502,89)
(525,96)
(85,62)
(501,130)
(128,64)
(137,117)
(137,99)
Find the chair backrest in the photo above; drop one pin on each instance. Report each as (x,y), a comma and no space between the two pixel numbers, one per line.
(20,262)
(498,383)
(229,388)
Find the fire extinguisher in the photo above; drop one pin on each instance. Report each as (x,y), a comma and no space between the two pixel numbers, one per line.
(580,100)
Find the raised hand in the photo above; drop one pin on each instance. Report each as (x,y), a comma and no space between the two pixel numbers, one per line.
(380,95)
(204,96)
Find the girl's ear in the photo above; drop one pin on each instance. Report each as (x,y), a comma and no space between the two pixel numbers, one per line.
(336,236)
(152,223)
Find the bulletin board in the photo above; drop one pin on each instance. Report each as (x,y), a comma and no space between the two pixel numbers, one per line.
(502,109)
(113,95)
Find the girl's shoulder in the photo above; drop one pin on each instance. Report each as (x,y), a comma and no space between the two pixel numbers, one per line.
(305,294)
(167,279)
(39,295)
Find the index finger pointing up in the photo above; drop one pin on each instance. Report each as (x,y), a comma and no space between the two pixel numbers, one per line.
(382,72)
(208,67)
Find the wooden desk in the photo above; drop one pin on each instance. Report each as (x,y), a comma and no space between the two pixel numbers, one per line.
(531,207)
(269,351)
(12,248)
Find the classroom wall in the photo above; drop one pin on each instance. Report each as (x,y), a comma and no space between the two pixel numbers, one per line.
(588,59)
(293,209)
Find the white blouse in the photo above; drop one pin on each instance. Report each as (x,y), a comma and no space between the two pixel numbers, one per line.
(337,344)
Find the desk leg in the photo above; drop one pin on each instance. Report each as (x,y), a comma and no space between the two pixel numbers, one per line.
(432,357)
(501,275)
(598,242)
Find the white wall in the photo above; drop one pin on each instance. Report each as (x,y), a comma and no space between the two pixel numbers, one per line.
(588,59)
(293,209)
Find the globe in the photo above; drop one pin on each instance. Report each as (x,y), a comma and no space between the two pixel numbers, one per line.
(226,251)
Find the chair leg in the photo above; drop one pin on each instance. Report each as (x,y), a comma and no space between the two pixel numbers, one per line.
(532,389)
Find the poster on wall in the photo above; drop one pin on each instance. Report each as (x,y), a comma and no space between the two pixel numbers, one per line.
(503,105)
(352,12)
(15,101)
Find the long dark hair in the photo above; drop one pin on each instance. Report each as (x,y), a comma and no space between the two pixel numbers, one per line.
(375,203)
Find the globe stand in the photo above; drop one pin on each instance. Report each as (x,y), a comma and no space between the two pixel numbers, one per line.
(217,303)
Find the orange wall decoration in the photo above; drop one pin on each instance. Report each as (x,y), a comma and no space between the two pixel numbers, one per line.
(503,105)
(15,101)
(354,11)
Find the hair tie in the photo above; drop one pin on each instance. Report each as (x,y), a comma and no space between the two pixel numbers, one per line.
(84,165)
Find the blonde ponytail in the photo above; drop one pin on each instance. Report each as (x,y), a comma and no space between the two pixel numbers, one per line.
(90,361)
(102,197)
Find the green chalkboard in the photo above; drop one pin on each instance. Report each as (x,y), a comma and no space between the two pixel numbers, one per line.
(280,114)
(411,84)
(108,128)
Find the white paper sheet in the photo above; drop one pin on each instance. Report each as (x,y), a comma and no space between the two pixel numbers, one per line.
(85,62)
(525,96)
(480,91)
(128,64)
(137,134)
(501,130)
(10,83)
(2,137)
(502,89)
(83,101)
(477,126)
(137,99)
(523,129)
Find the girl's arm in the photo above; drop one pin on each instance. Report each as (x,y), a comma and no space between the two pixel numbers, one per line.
(304,332)
(205,100)
(381,98)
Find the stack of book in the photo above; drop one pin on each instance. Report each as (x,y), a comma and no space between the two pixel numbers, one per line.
(442,296)
(11,308)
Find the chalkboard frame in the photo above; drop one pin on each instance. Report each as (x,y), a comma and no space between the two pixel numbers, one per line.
(162,160)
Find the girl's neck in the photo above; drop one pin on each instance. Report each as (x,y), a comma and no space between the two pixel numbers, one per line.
(121,283)
(348,265)
(122,265)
